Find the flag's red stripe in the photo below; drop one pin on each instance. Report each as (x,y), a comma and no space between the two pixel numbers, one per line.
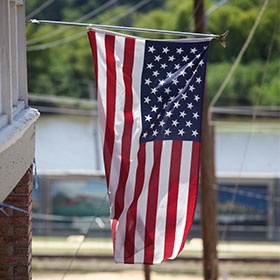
(109,137)
(93,45)
(152,205)
(131,217)
(128,123)
(193,187)
(172,200)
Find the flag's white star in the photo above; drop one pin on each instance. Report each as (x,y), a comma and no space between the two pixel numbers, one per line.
(183,73)
(182,114)
(171,58)
(150,65)
(147,99)
(161,82)
(196,115)
(190,64)
(169,74)
(154,109)
(171,98)
(188,123)
(198,80)
(169,114)
(162,123)
(151,49)
(177,104)
(167,131)
(155,133)
(167,90)
(198,56)
(175,82)
(163,66)
(154,90)
(155,73)
(148,118)
(185,58)
(147,81)
(152,126)
(184,96)
(157,58)
(190,106)
(177,66)
(191,88)
(201,62)
(165,50)
(193,50)
(196,98)
(159,98)
(175,123)
(179,51)
(194,133)
(181,132)
(145,134)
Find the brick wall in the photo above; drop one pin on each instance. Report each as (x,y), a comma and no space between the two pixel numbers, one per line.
(16,233)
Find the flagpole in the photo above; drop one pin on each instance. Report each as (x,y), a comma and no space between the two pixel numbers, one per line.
(128,28)
(208,193)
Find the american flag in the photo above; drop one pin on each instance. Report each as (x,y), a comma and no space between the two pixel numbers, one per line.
(150,97)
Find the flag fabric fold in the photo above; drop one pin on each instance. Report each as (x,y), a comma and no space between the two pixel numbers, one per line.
(150,97)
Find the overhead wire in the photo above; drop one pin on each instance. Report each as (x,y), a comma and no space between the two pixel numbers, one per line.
(237,60)
(81,34)
(248,140)
(39,9)
(57,31)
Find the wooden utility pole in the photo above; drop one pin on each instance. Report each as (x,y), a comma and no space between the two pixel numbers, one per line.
(208,191)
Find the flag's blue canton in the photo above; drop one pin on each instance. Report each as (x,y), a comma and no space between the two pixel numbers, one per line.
(172,90)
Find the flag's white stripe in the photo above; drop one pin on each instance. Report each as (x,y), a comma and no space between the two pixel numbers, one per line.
(142,206)
(183,195)
(136,130)
(137,124)
(119,124)
(102,77)
(162,201)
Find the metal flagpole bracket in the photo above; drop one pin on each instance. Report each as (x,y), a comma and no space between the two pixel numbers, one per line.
(221,38)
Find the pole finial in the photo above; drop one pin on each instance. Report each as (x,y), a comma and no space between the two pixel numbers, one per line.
(222,38)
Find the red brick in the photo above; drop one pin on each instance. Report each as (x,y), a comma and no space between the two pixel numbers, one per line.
(15,261)
(6,230)
(16,233)
(22,190)
(21,270)
(6,250)
(6,270)
(15,240)
(23,230)
(18,201)
(22,250)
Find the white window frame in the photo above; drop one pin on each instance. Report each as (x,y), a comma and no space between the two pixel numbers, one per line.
(13,72)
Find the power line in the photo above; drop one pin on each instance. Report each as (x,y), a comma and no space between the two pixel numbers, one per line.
(81,34)
(238,59)
(83,18)
(39,9)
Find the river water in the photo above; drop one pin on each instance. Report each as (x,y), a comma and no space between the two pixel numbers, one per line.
(72,143)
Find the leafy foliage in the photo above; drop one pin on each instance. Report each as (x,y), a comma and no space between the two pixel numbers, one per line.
(63,65)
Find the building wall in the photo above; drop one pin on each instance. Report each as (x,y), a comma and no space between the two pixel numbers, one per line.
(17,143)
(16,232)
